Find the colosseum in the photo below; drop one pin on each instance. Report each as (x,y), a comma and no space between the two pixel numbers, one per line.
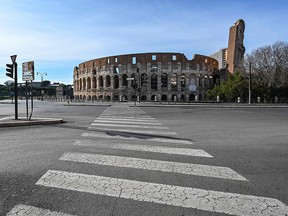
(145,77)
(158,76)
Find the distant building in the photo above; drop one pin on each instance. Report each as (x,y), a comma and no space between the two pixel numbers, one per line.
(221,57)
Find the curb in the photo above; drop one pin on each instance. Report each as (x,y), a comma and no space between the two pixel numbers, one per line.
(11,122)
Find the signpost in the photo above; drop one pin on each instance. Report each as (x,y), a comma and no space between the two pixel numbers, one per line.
(28,71)
(28,75)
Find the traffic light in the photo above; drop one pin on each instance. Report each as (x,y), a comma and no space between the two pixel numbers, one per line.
(9,69)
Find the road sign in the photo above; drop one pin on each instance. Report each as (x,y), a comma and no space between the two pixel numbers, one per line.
(13,58)
(28,71)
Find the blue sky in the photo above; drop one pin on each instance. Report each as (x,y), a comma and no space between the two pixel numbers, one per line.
(59,34)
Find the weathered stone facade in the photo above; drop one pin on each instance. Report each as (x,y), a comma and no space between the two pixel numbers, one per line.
(236,49)
(145,76)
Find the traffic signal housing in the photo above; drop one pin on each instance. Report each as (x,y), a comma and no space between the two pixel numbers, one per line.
(9,69)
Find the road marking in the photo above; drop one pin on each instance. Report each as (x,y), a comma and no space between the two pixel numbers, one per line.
(125,117)
(148,164)
(130,126)
(128,122)
(136,137)
(147,148)
(132,131)
(207,200)
(128,119)
(25,210)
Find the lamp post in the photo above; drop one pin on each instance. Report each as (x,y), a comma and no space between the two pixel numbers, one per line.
(249,83)
(41,74)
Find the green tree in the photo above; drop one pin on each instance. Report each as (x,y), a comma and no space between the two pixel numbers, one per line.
(235,86)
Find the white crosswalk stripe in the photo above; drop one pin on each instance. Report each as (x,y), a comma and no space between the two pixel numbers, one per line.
(156,165)
(133,131)
(127,122)
(147,148)
(208,200)
(129,119)
(130,126)
(127,137)
(24,210)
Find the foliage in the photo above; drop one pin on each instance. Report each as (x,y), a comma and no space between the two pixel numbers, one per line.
(235,86)
(269,71)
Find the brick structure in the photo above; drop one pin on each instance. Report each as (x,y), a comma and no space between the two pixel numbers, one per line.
(145,76)
(236,49)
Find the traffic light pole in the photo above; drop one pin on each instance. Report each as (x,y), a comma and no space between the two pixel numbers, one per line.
(12,73)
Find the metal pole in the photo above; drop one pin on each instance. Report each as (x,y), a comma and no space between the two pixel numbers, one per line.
(16,90)
(250,83)
(31,101)
(27,100)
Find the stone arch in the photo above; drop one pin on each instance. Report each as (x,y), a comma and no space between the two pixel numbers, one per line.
(116,98)
(108,98)
(108,81)
(94,83)
(80,85)
(116,82)
(144,79)
(183,81)
(124,80)
(174,97)
(192,83)
(154,82)
(124,98)
(101,81)
(88,83)
(182,97)
(174,81)
(84,84)
(133,82)
(164,80)
(192,97)
(143,98)
(134,98)
(164,98)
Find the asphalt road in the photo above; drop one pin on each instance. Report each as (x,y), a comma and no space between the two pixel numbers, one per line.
(251,142)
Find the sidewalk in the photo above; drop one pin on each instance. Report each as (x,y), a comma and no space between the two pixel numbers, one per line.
(21,121)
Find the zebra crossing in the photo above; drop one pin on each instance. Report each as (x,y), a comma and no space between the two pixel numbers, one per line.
(118,123)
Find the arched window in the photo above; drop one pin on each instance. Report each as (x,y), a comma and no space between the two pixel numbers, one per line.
(116,82)
(100,81)
(174,81)
(94,83)
(133,82)
(154,81)
(183,80)
(84,84)
(108,81)
(144,78)
(164,80)
(88,83)
(124,80)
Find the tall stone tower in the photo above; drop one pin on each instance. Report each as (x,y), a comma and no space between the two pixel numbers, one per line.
(236,49)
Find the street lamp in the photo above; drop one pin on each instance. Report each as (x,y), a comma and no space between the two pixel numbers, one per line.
(41,74)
